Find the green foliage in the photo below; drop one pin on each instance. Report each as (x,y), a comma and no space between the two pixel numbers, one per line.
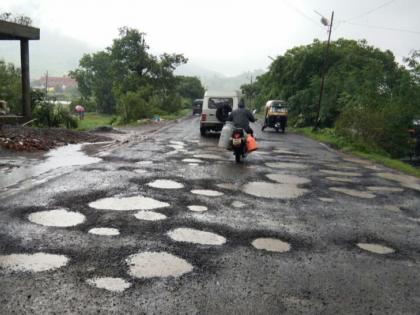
(46,114)
(190,87)
(10,86)
(93,120)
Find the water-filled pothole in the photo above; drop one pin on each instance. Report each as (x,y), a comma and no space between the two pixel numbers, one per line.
(196,236)
(238,204)
(288,179)
(405,180)
(227,186)
(33,262)
(165,184)
(273,191)
(192,161)
(285,165)
(104,231)
(340,173)
(207,192)
(127,203)
(208,156)
(57,217)
(176,146)
(140,171)
(177,142)
(385,189)
(144,163)
(196,208)
(376,248)
(353,192)
(271,245)
(150,216)
(157,264)
(340,179)
(326,199)
(109,283)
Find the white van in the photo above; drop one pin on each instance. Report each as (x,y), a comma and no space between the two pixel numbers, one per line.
(216,106)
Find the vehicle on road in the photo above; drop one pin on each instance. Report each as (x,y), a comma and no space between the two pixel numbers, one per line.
(197,106)
(241,144)
(276,114)
(216,108)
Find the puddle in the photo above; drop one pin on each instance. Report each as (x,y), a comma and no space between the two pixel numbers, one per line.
(150,216)
(273,191)
(238,204)
(405,180)
(70,155)
(177,142)
(207,192)
(392,208)
(196,236)
(109,283)
(128,203)
(376,248)
(208,156)
(385,189)
(340,179)
(227,186)
(57,217)
(285,165)
(353,192)
(271,245)
(281,151)
(340,173)
(288,179)
(157,264)
(33,262)
(104,231)
(165,184)
(176,146)
(197,208)
(192,161)
(143,163)
(326,199)
(193,164)
(140,171)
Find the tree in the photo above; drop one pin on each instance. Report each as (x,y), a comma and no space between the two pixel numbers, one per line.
(10,86)
(190,87)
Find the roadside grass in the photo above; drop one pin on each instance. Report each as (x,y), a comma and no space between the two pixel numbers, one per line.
(328,136)
(93,120)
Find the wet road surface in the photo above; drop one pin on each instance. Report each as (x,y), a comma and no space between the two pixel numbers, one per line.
(168,223)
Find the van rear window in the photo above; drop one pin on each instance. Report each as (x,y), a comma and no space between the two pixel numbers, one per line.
(216,102)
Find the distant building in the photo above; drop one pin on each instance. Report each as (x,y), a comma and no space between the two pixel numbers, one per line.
(55,84)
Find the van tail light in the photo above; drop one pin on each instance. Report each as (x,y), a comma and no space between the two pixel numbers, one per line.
(236,136)
(203,117)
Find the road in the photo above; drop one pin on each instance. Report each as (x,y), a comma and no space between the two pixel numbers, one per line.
(167,223)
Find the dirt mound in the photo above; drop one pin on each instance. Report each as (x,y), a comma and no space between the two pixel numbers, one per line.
(20,138)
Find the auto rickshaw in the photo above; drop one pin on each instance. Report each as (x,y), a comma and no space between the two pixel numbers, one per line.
(275,115)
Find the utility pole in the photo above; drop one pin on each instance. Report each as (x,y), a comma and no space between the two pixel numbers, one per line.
(324,67)
(46,83)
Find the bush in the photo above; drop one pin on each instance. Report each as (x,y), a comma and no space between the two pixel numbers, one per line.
(132,106)
(49,115)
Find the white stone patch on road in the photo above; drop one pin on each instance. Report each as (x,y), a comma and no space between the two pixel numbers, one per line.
(207,192)
(176,146)
(326,199)
(192,161)
(376,248)
(177,142)
(140,171)
(150,216)
(405,180)
(341,173)
(208,156)
(128,203)
(271,245)
(353,192)
(165,184)
(197,208)
(385,189)
(340,179)
(286,165)
(144,163)
(273,190)
(157,264)
(193,164)
(238,204)
(109,283)
(104,231)
(32,262)
(288,179)
(196,236)
(57,217)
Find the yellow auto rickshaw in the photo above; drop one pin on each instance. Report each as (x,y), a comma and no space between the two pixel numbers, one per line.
(275,115)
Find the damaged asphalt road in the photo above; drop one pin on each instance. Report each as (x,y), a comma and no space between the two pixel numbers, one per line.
(168,223)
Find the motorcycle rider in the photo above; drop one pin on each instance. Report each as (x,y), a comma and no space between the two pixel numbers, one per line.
(241,118)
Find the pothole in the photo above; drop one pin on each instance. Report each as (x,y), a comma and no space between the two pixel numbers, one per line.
(392,208)
(353,192)
(238,204)
(288,179)
(197,208)
(326,199)
(376,248)
(140,171)
(192,161)
(109,283)
(157,264)
(193,164)
(176,146)
(340,179)
(285,165)
(57,217)
(150,216)
(177,142)
(104,231)
(32,262)
(165,184)
(196,236)
(207,192)
(271,245)
(144,163)
(273,191)
(208,156)
(405,180)
(227,186)
(128,203)
(281,151)
(385,189)
(341,173)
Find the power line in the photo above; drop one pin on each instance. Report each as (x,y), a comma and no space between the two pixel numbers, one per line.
(371,10)
(383,28)
(290,5)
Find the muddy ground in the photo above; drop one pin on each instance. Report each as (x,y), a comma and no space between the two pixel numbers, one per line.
(343,233)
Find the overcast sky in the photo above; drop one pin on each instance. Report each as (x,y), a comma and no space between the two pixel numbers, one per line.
(228,36)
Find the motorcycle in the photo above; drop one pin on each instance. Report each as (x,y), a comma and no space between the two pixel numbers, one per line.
(238,144)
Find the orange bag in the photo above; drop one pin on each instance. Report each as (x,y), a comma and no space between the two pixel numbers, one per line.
(251,144)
